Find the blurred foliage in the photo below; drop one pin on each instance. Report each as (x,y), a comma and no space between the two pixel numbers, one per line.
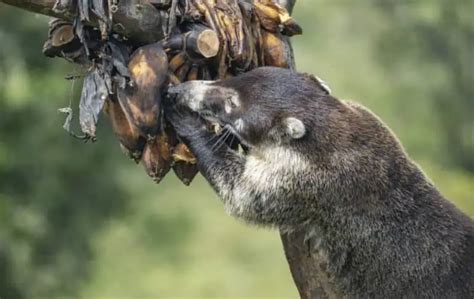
(50,200)
(440,37)
(81,220)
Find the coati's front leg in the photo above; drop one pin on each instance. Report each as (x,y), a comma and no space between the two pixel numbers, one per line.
(220,165)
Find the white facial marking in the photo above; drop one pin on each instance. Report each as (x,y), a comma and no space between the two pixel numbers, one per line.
(194,93)
(235,100)
(232,101)
(295,127)
(266,172)
(239,125)
(227,108)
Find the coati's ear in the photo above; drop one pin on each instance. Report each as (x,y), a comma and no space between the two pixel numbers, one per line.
(294,127)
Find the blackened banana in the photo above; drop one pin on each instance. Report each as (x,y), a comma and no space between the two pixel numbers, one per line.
(130,140)
(157,157)
(141,98)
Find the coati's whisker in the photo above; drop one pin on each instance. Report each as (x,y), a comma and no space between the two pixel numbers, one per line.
(232,140)
(220,141)
(213,139)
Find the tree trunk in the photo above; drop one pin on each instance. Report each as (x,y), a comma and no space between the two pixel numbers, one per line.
(142,23)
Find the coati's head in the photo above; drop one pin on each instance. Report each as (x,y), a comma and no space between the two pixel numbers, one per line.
(265,106)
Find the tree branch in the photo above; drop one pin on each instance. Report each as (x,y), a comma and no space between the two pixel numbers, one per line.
(137,20)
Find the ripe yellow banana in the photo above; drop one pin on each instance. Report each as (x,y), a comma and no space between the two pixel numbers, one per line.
(182,72)
(177,61)
(193,73)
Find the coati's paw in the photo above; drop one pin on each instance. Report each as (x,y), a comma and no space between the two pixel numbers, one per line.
(185,122)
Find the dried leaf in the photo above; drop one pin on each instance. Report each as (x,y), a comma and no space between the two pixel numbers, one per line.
(94,94)
(68,123)
(105,21)
(68,120)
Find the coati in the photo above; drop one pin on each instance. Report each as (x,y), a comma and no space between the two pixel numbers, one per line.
(334,169)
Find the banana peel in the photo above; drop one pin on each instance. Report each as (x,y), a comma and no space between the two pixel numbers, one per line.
(130,140)
(184,166)
(141,98)
(274,50)
(157,157)
(186,172)
(182,153)
(276,18)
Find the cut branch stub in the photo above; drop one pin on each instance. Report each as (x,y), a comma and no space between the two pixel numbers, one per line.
(205,43)
(62,36)
(198,44)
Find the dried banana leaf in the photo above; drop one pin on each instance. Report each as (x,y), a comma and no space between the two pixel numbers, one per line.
(94,94)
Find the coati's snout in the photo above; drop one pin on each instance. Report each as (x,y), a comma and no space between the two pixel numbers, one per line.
(190,94)
(216,104)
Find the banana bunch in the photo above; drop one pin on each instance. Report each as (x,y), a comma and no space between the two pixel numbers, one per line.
(136,114)
(206,40)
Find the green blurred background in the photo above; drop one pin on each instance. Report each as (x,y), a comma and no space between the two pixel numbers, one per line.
(81,220)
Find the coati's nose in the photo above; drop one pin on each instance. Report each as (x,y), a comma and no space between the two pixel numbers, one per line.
(190,93)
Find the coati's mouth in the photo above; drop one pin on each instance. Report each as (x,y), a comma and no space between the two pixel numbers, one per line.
(225,134)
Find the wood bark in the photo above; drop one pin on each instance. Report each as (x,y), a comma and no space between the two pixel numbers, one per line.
(142,23)
(137,20)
